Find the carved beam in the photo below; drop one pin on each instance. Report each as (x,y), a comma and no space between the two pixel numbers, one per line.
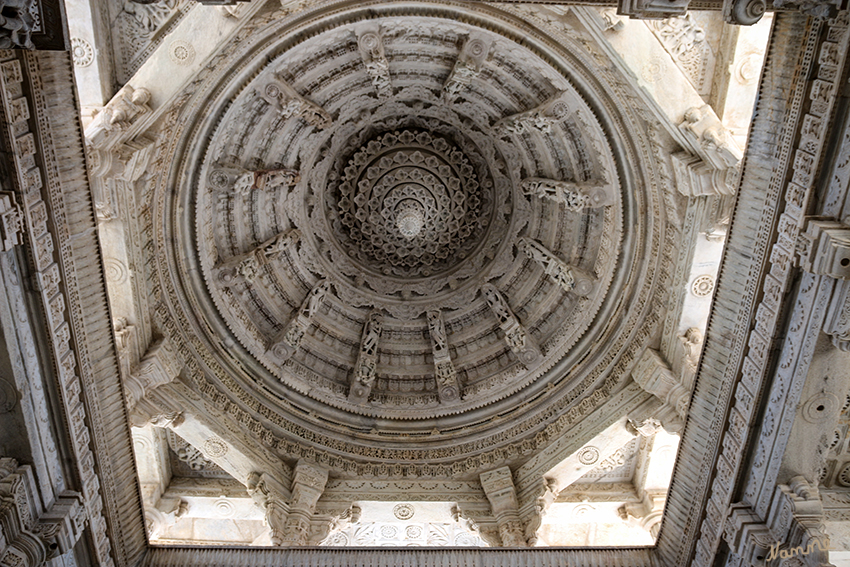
(518,339)
(378,68)
(576,196)
(247,267)
(285,345)
(541,118)
(367,360)
(467,67)
(448,388)
(498,485)
(569,278)
(286,100)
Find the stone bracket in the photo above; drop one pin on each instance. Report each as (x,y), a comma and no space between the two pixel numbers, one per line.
(541,118)
(824,248)
(448,386)
(367,360)
(467,66)
(285,345)
(378,68)
(286,100)
(574,195)
(247,267)
(566,276)
(519,340)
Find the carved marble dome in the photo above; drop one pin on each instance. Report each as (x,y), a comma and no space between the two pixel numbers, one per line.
(391,261)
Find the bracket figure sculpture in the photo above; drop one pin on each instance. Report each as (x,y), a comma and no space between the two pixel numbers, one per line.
(367,360)
(467,67)
(247,267)
(377,67)
(541,118)
(448,388)
(569,278)
(265,180)
(575,196)
(518,339)
(285,345)
(286,100)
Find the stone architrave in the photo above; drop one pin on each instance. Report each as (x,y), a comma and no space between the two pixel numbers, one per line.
(569,278)
(367,360)
(289,103)
(467,66)
(247,267)
(285,345)
(541,118)
(372,51)
(448,388)
(518,339)
(574,195)
(498,485)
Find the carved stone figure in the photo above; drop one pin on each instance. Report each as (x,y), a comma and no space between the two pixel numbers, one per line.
(16,25)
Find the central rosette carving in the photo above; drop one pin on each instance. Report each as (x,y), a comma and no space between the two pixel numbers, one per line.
(410,205)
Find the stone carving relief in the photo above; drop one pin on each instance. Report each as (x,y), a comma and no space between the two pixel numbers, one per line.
(291,337)
(652,9)
(569,278)
(16,25)
(686,43)
(518,339)
(140,27)
(372,51)
(467,66)
(367,360)
(289,103)
(575,196)
(448,387)
(10,221)
(541,118)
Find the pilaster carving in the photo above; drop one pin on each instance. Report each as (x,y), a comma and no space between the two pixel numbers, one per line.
(287,343)
(574,195)
(367,360)
(652,9)
(498,485)
(541,118)
(11,224)
(372,51)
(245,268)
(519,340)
(467,66)
(569,278)
(286,100)
(448,387)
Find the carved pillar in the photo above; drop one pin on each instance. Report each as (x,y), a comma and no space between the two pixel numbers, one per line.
(498,485)
(308,483)
(249,266)
(448,388)
(654,375)
(158,366)
(272,497)
(372,51)
(518,339)
(541,118)
(289,103)
(367,360)
(285,345)
(569,278)
(575,196)
(467,66)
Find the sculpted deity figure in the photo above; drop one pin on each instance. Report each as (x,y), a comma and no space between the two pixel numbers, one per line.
(438,333)
(371,334)
(551,265)
(314,300)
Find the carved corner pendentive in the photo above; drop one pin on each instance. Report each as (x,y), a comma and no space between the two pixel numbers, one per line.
(365,369)
(568,277)
(285,345)
(286,100)
(448,387)
(467,67)
(517,337)
(576,196)
(541,118)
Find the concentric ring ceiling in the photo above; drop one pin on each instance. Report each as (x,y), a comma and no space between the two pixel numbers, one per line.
(405,234)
